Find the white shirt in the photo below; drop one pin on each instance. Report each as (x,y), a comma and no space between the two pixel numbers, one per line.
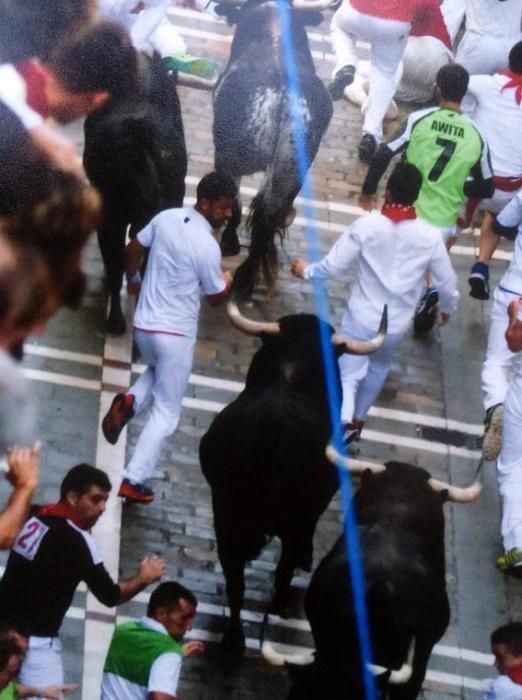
(184,263)
(510,216)
(497,18)
(499,118)
(140,25)
(163,676)
(13,94)
(393,260)
(503,688)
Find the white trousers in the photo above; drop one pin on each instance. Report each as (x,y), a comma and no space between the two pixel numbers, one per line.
(169,360)
(363,376)
(499,363)
(42,665)
(388,40)
(483,54)
(509,468)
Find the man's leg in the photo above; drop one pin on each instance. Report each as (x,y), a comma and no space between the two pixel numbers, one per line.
(42,666)
(343,36)
(509,474)
(125,406)
(388,39)
(173,364)
(499,358)
(379,364)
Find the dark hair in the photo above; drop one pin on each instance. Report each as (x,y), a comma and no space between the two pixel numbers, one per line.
(167,595)
(404,183)
(55,216)
(8,643)
(452,81)
(99,57)
(80,479)
(216,185)
(515,58)
(510,635)
(29,28)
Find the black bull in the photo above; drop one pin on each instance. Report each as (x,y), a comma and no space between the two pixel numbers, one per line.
(253,124)
(401,532)
(264,458)
(135,155)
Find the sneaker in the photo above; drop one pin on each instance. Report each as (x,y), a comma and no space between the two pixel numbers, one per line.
(193,65)
(492,439)
(135,493)
(426,313)
(117,417)
(479,281)
(367,148)
(342,79)
(511,562)
(352,431)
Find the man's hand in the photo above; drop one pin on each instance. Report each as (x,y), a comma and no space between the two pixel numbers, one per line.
(367,201)
(193,648)
(59,150)
(227,276)
(134,284)
(56,692)
(23,465)
(514,329)
(443,319)
(151,569)
(298,267)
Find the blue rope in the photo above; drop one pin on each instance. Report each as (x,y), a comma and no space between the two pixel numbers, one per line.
(321,301)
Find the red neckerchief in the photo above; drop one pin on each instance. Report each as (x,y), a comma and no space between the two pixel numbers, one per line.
(35,80)
(515,674)
(398,212)
(514,82)
(61,510)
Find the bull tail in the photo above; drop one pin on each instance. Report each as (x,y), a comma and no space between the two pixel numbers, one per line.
(262,261)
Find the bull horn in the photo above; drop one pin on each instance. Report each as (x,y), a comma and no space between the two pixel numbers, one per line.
(354,466)
(457,493)
(358,347)
(403,674)
(313,4)
(194,81)
(276,658)
(247,325)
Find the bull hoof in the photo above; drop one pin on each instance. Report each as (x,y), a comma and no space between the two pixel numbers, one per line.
(233,641)
(115,323)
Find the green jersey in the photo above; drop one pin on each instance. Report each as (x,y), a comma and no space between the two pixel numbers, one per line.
(448,149)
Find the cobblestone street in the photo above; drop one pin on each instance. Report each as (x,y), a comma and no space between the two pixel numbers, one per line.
(429,414)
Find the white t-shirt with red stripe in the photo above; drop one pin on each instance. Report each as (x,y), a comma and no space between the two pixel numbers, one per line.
(184,263)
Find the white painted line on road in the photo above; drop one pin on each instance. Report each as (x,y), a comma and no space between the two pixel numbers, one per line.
(61,379)
(453,680)
(107,531)
(419,444)
(66,355)
(476,657)
(237,387)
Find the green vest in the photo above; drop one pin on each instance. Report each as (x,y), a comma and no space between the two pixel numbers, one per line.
(134,649)
(10,692)
(444,145)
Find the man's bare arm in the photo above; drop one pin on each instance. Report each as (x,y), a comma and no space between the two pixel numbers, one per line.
(23,465)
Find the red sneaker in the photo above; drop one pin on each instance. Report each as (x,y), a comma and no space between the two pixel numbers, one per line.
(135,493)
(117,417)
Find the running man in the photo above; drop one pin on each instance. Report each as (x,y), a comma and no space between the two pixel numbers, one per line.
(184,263)
(453,158)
